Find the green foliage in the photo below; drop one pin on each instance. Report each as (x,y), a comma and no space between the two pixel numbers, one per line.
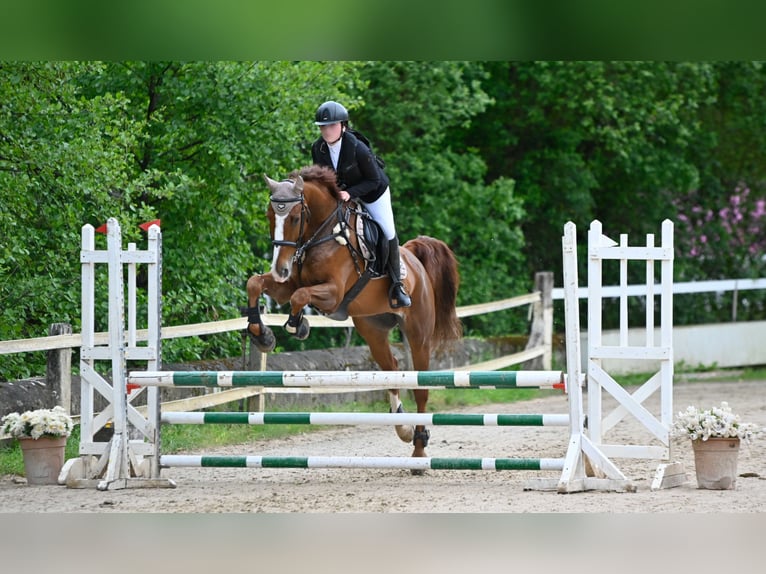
(64,161)
(721,222)
(186,143)
(592,140)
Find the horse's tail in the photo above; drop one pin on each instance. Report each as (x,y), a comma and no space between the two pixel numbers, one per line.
(441,267)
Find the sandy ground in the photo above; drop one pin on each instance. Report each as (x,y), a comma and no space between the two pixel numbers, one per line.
(397,491)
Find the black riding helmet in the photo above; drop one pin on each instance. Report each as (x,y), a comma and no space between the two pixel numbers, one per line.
(330,113)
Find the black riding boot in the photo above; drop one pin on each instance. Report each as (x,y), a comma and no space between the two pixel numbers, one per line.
(397,295)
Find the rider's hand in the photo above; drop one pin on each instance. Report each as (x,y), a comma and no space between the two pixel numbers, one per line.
(344,195)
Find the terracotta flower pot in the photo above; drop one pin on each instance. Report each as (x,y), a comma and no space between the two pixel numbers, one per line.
(715,461)
(43,459)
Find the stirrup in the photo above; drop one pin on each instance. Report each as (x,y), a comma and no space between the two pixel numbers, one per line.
(398,297)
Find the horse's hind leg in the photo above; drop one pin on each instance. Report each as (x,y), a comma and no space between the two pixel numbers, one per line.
(375,334)
(421,433)
(421,361)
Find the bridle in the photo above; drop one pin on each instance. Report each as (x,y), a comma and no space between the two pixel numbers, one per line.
(283,206)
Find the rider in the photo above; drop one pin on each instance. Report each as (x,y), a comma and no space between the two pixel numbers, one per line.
(359,178)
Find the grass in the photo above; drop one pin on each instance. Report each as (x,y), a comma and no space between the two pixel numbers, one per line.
(182,438)
(711,375)
(185,438)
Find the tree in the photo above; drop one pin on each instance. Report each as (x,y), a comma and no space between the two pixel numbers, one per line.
(491,157)
(592,140)
(64,161)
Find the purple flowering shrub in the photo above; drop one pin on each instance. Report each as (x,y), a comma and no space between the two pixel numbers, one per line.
(726,241)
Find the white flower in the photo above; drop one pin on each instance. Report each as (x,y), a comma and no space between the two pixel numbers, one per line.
(716,422)
(53,422)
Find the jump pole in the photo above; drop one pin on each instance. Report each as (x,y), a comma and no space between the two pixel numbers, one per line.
(367,379)
(382,462)
(369,419)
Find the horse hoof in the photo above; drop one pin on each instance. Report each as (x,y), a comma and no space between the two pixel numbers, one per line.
(303,330)
(266,341)
(404,432)
(299,331)
(418,452)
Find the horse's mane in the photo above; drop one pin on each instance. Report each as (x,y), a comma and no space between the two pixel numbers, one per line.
(320,175)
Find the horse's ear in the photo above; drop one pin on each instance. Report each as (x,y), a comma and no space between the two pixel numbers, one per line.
(298,184)
(270,182)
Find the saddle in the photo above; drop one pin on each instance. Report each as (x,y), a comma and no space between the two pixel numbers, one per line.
(372,243)
(373,250)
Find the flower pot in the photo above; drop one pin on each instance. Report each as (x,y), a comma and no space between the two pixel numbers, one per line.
(43,459)
(715,461)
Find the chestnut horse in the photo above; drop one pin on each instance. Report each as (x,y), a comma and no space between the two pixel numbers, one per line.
(318,259)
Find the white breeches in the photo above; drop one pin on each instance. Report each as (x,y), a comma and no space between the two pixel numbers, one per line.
(382,212)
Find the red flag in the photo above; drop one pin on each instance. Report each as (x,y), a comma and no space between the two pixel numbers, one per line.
(148,224)
(101,229)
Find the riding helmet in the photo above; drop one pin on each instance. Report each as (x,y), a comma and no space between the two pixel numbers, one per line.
(330,113)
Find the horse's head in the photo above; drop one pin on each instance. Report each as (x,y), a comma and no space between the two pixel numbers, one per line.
(286,215)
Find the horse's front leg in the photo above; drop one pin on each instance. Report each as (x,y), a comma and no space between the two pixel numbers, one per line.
(260,334)
(325,297)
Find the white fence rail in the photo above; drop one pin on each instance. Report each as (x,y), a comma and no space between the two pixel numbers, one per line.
(228,325)
(678,288)
(712,345)
(196,329)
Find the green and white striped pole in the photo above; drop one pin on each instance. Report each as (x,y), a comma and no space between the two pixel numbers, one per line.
(411,463)
(380,419)
(367,379)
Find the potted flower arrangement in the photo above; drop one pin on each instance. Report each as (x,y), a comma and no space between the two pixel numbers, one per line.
(42,436)
(715,434)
